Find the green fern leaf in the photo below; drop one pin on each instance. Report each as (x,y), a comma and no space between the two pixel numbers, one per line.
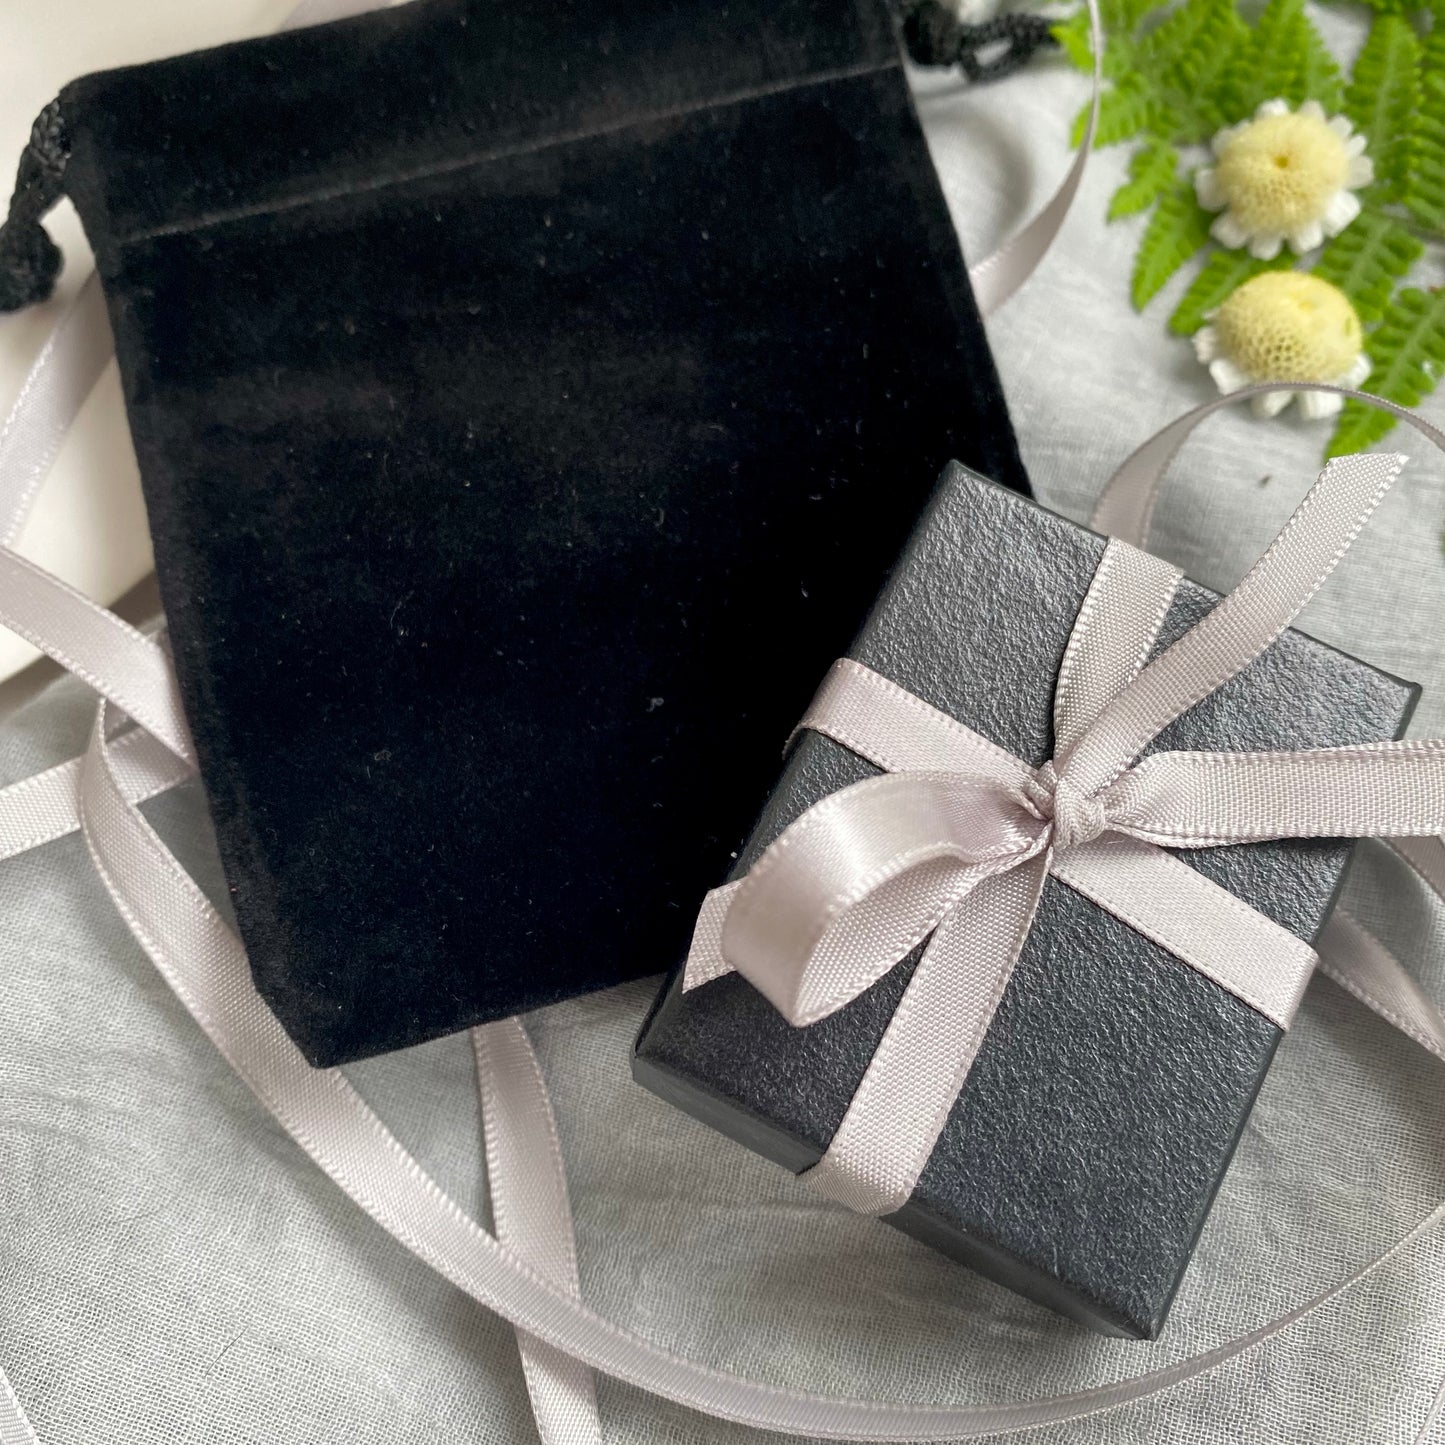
(1408,352)
(1284,58)
(1152,170)
(1383,98)
(1176,230)
(1073,37)
(1125,109)
(1319,75)
(1366,259)
(1188,55)
(1425,186)
(1222,274)
(1121,17)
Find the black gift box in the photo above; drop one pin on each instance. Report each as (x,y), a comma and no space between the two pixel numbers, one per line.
(501,374)
(1080,1160)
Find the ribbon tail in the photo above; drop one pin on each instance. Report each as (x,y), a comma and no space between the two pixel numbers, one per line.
(532,1214)
(929,1047)
(1362,966)
(705,960)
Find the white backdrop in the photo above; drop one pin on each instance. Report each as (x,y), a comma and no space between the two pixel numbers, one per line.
(171,1268)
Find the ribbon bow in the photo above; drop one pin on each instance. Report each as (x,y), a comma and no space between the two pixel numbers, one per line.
(953,841)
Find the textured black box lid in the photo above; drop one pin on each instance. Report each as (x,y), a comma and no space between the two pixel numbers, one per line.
(1080,1160)
(501,374)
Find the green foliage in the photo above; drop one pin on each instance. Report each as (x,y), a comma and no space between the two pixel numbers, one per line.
(1221,275)
(1367,260)
(1424,190)
(1284,58)
(1176,72)
(1176,230)
(1125,110)
(1152,170)
(1408,352)
(1383,98)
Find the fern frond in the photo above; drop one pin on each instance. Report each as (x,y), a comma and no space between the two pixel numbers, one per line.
(1125,109)
(1176,230)
(1122,17)
(1425,186)
(1188,55)
(1408,352)
(1366,259)
(1073,37)
(1152,170)
(1222,274)
(1383,98)
(1285,57)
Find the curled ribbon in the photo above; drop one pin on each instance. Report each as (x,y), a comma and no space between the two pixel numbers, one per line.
(953,841)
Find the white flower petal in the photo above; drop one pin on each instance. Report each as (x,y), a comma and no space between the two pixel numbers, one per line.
(1271,403)
(1307,237)
(1313,109)
(1315,405)
(1356,375)
(1341,126)
(1227,376)
(1272,107)
(1222,138)
(1265,245)
(1354,145)
(1360,173)
(1344,206)
(1206,344)
(1228,232)
(1207,188)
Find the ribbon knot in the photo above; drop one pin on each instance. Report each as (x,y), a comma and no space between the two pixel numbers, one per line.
(1076,817)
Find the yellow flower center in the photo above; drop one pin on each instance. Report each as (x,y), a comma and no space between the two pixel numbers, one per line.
(1289,326)
(1280,171)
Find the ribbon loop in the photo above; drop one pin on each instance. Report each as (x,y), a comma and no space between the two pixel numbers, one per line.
(862,878)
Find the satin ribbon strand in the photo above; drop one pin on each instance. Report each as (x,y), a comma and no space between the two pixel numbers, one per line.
(57,386)
(1200,800)
(1000,275)
(1356,960)
(15,1427)
(46,806)
(1230,636)
(944,1014)
(108,654)
(1128,597)
(531,1213)
(1125,509)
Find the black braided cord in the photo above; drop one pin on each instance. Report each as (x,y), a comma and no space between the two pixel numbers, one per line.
(29,260)
(934,35)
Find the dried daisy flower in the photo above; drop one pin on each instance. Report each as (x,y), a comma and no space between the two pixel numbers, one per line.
(1285,326)
(1284,176)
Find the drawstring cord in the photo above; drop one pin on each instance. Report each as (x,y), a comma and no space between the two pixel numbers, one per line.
(934,35)
(29,260)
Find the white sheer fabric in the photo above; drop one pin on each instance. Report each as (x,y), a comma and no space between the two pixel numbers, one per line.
(171,1268)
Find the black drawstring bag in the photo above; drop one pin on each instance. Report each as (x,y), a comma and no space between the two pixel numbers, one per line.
(529,400)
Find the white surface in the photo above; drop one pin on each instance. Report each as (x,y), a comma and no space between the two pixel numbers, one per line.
(172,1270)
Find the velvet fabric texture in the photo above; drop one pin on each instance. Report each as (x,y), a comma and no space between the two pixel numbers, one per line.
(1079,1162)
(530,399)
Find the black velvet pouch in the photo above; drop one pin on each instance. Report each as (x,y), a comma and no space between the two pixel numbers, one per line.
(529,399)
(1079,1162)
